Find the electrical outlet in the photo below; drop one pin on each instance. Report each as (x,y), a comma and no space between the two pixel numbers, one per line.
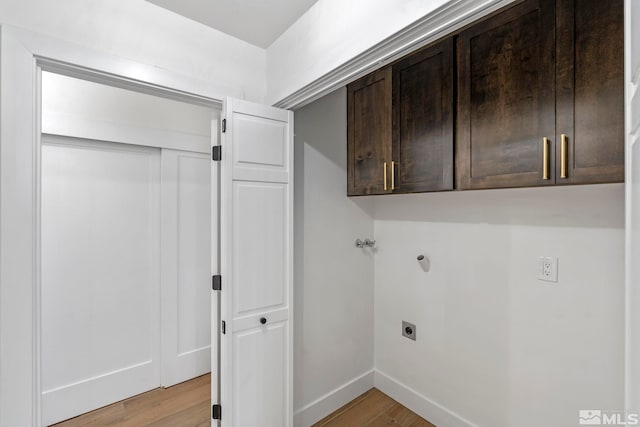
(548,269)
(409,330)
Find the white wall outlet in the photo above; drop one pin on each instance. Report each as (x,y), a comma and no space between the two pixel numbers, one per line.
(548,269)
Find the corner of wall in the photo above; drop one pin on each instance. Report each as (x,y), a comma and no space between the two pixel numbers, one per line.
(320,408)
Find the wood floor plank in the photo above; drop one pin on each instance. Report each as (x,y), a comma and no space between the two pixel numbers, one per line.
(373,409)
(188,405)
(362,413)
(183,405)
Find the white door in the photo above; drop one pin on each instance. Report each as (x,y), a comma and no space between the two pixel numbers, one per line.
(256,266)
(632,76)
(126,283)
(186,265)
(100,281)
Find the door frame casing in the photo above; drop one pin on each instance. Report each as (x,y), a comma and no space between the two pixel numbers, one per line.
(632,236)
(23,56)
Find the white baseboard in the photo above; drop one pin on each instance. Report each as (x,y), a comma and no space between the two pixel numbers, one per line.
(320,408)
(421,405)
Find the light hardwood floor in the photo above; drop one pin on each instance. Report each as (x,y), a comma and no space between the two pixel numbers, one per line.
(187,405)
(373,409)
(183,405)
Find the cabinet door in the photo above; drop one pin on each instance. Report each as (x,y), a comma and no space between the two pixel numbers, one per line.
(506,99)
(590,91)
(369,134)
(423,120)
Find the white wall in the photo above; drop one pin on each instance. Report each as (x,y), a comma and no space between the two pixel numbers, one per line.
(140,31)
(333,279)
(495,346)
(331,33)
(84,109)
(632,75)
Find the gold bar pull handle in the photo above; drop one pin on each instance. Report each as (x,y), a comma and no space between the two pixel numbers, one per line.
(385,176)
(563,156)
(393,175)
(545,158)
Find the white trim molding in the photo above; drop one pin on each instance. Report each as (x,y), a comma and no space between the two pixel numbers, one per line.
(632,228)
(77,61)
(446,19)
(410,398)
(335,399)
(23,55)
(421,405)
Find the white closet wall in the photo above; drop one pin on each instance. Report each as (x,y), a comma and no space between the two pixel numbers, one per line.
(79,108)
(490,335)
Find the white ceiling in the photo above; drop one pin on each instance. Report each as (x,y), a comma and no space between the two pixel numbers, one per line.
(259,22)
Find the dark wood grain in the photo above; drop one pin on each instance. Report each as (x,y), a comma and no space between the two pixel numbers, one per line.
(368,132)
(373,409)
(506,98)
(590,90)
(423,120)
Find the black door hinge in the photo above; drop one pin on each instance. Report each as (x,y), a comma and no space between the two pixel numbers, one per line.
(216,282)
(224,125)
(224,327)
(216,412)
(216,153)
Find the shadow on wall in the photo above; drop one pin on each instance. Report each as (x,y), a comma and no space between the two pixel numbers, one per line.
(599,206)
(333,279)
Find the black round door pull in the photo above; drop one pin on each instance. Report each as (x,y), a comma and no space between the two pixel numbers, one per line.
(263,320)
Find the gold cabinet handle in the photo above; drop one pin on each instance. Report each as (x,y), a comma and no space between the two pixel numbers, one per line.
(545,158)
(393,175)
(385,176)
(563,156)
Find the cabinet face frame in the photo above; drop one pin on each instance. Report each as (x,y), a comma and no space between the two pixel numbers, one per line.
(545,91)
(380,149)
(442,51)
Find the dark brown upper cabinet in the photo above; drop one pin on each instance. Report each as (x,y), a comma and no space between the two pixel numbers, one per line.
(369,127)
(590,91)
(400,125)
(541,96)
(423,120)
(534,93)
(506,99)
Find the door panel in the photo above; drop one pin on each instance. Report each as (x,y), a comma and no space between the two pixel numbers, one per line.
(256,266)
(369,132)
(100,274)
(259,375)
(423,124)
(259,253)
(186,265)
(590,81)
(506,98)
(264,144)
